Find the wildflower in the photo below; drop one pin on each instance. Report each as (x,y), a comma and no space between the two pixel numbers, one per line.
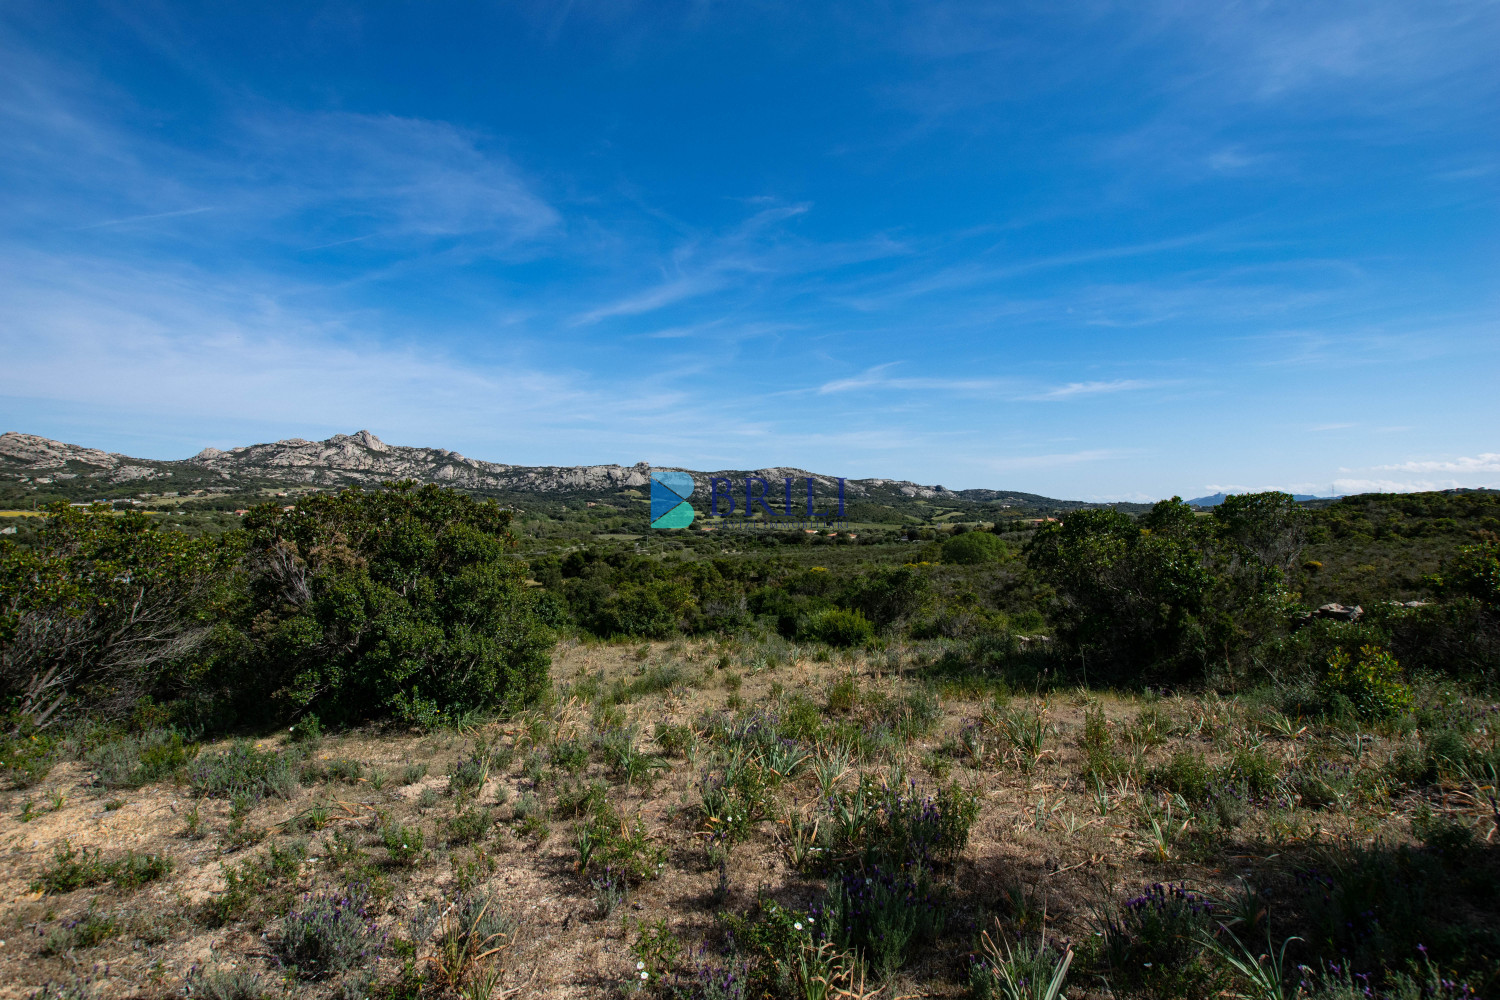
(797,925)
(639,966)
(645,976)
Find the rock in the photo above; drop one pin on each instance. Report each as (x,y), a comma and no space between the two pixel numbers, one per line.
(1339,612)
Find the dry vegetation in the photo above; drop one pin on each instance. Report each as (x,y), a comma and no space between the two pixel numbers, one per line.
(566,851)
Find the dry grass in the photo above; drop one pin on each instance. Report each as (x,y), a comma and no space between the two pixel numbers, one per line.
(1043,831)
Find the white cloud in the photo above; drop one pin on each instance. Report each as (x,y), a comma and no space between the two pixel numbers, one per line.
(1486,462)
(1075,389)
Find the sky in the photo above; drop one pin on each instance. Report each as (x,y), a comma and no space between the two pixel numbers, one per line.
(1090,250)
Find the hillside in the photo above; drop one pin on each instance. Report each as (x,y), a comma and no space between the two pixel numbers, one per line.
(38,470)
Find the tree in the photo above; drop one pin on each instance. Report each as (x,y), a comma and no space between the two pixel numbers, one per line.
(1165,597)
(405,601)
(1269,527)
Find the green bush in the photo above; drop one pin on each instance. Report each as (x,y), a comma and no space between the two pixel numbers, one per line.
(104,610)
(1100,754)
(1187,774)
(328,935)
(132,761)
(972,548)
(405,602)
(26,753)
(1168,596)
(244,771)
(74,869)
(840,627)
(1372,683)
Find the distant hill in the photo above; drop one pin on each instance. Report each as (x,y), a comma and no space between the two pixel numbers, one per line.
(39,470)
(1218,498)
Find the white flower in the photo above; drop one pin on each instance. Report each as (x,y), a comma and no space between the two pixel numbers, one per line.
(645,976)
(639,966)
(797,926)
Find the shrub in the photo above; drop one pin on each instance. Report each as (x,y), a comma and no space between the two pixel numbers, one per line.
(655,949)
(87,931)
(106,606)
(1441,833)
(1372,683)
(883,914)
(215,983)
(1187,773)
(242,770)
(1253,769)
(469,826)
(259,883)
(403,844)
(840,627)
(26,753)
(1153,943)
(406,601)
(132,761)
(72,868)
(137,869)
(328,935)
(675,740)
(1170,595)
(571,756)
(733,799)
(608,843)
(842,694)
(972,548)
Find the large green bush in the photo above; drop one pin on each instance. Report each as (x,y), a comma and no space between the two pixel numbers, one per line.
(972,548)
(1168,596)
(406,601)
(104,610)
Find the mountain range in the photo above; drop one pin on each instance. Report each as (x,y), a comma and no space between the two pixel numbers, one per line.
(36,470)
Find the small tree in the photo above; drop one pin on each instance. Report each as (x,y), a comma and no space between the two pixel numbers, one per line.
(1166,596)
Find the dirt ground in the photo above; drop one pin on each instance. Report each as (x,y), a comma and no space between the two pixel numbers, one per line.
(1042,830)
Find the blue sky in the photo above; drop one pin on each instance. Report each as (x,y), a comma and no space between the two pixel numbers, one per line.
(1084,249)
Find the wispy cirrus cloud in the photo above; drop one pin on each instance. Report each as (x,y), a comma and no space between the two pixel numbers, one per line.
(1073,390)
(1010,388)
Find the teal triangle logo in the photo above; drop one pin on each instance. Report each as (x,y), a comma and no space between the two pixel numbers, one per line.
(669,503)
